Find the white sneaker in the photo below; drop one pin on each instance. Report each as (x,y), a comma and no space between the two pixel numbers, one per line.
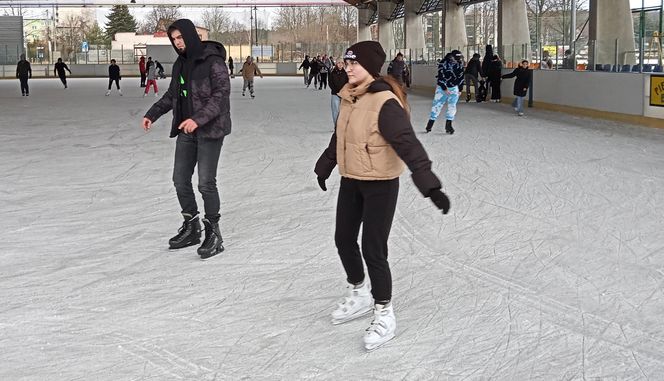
(108,93)
(356,304)
(382,328)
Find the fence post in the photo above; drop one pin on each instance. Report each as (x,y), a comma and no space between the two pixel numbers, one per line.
(122,53)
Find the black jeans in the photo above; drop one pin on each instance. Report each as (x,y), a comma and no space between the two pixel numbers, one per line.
(191,150)
(143,76)
(495,89)
(25,89)
(110,82)
(323,80)
(372,204)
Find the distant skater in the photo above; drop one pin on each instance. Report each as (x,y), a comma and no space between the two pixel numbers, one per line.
(59,70)
(249,71)
(23,73)
(114,76)
(152,78)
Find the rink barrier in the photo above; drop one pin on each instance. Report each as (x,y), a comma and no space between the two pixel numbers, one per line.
(591,94)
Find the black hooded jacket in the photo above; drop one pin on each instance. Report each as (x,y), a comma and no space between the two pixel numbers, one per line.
(200,86)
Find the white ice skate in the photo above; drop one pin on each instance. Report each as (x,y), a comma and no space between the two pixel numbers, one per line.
(356,304)
(108,93)
(120,91)
(382,328)
(156,95)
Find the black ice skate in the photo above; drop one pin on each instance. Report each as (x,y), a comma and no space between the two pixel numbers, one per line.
(430,125)
(189,234)
(212,245)
(448,127)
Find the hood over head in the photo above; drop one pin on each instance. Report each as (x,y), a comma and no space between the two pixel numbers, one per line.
(193,43)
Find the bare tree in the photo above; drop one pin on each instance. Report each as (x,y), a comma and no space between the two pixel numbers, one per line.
(70,34)
(217,22)
(159,19)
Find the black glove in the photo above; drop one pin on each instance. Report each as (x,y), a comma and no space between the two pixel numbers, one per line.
(321,184)
(440,199)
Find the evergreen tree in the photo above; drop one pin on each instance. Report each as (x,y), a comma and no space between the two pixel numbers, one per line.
(96,36)
(120,20)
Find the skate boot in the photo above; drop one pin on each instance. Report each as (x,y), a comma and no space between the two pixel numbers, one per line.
(253,96)
(212,245)
(189,234)
(430,125)
(448,127)
(243,93)
(382,328)
(120,91)
(108,93)
(355,305)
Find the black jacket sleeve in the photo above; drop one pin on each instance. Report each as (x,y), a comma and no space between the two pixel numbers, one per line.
(510,75)
(328,160)
(394,125)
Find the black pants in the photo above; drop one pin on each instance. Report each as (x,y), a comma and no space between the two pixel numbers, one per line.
(371,204)
(63,79)
(143,75)
(313,76)
(323,80)
(191,150)
(495,89)
(117,83)
(25,89)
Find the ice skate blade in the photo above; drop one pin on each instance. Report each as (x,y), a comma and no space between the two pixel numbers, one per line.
(351,318)
(218,251)
(372,347)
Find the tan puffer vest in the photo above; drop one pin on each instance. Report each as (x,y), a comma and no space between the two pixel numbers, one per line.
(362,152)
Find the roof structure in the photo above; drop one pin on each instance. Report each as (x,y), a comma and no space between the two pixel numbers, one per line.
(174,3)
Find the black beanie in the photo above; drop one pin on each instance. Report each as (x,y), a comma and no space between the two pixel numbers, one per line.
(369,54)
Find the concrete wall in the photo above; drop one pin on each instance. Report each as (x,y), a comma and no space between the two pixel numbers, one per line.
(621,93)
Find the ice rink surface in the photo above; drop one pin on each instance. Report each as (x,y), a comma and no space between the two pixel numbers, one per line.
(550,265)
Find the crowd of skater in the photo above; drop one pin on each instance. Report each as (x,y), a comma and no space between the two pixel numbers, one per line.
(372,143)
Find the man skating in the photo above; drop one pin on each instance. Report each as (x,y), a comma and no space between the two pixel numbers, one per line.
(450,76)
(198,95)
(249,71)
(113,76)
(59,70)
(23,73)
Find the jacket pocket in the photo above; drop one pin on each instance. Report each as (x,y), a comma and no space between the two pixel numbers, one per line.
(358,161)
(384,160)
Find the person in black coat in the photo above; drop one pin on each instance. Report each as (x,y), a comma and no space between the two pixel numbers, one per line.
(59,70)
(23,72)
(523,78)
(230,66)
(114,76)
(494,74)
(314,69)
(338,78)
(305,69)
(472,74)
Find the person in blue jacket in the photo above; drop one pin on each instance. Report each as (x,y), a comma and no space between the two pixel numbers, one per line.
(450,77)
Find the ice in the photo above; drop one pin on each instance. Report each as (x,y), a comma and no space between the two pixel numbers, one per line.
(550,264)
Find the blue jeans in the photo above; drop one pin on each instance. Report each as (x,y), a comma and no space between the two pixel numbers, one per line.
(192,150)
(335,108)
(440,98)
(518,104)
